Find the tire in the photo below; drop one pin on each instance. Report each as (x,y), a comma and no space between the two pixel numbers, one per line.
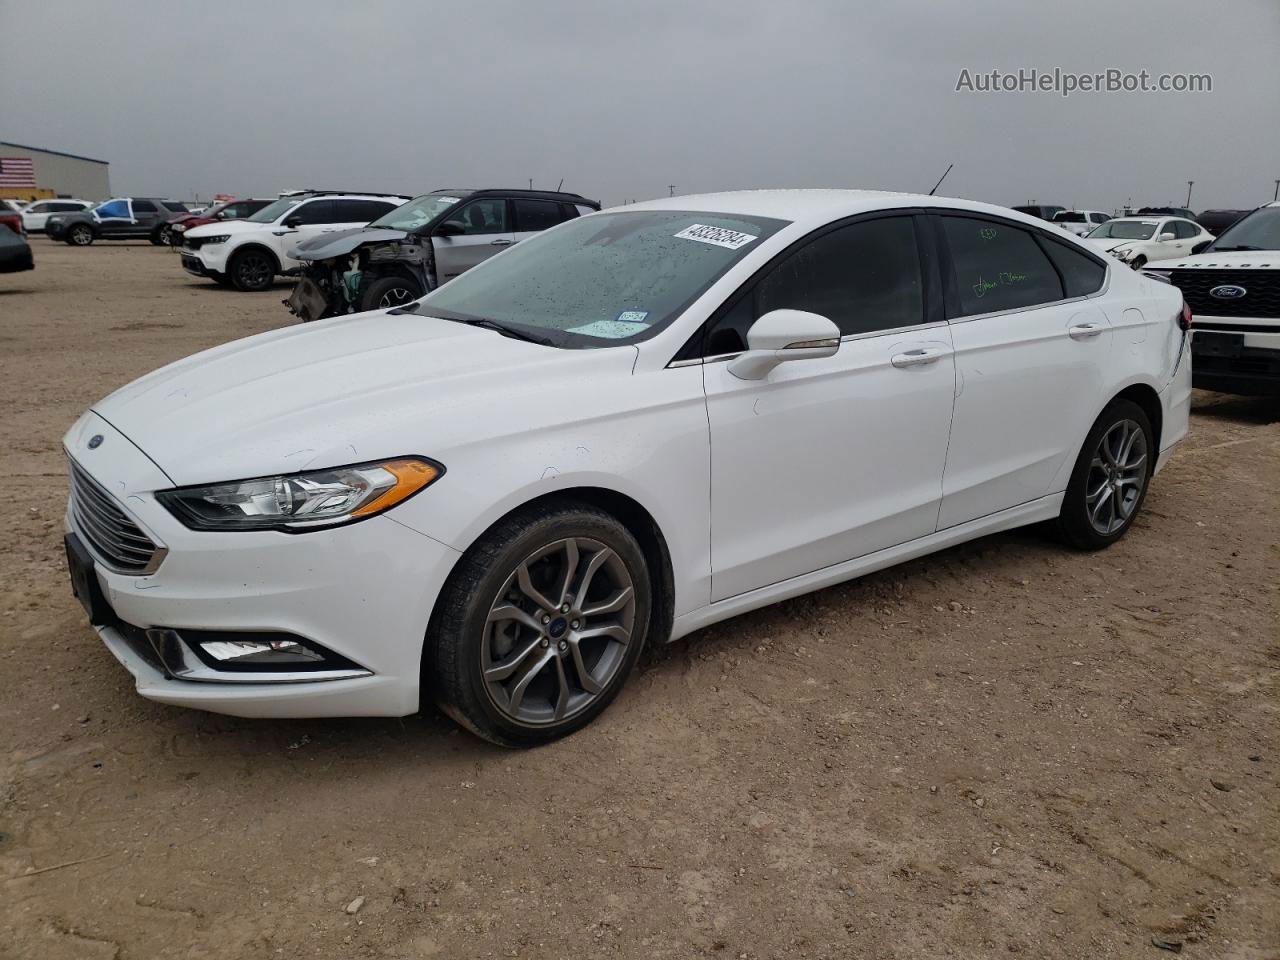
(252,269)
(80,235)
(1138,262)
(528,677)
(387,292)
(1109,482)
(162,237)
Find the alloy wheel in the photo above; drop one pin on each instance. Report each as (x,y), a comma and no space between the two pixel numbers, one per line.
(254,270)
(81,236)
(558,631)
(396,297)
(1117,476)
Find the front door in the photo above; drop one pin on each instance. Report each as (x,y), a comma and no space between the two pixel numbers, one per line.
(486,231)
(827,460)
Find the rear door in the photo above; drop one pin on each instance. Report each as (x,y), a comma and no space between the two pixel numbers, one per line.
(147,215)
(1031,347)
(534,216)
(487,229)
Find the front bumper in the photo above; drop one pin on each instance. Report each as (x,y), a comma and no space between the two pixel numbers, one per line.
(364,592)
(55,231)
(206,260)
(1243,361)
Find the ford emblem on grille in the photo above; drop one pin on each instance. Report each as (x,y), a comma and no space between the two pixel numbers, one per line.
(95,441)
(1228,291)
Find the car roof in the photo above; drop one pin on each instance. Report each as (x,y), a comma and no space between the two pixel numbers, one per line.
(518,193)
(820,205)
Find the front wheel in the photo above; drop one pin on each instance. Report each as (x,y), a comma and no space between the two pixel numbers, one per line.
(539,625)
(252,270)
(163,237)
(1138,262)
(1110,478)
(80,235)
(388,292)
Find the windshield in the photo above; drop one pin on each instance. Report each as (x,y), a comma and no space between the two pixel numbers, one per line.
(1125,230)
(1259,230)
(603,279)
(418,212)
(274,211)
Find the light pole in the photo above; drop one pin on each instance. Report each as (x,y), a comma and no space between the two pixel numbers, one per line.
(671,189)
(1188,203)
(1276,194)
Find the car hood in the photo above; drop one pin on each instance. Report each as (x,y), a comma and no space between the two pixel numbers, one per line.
(342,242)
(219,227)
(1227,260)
(347,390)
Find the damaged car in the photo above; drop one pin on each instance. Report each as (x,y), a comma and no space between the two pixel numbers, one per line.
(418,246)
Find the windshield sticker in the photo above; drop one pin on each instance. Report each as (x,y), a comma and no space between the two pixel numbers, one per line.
(610,329)
(716,236)
(988,233)
(633,316)
(449,199)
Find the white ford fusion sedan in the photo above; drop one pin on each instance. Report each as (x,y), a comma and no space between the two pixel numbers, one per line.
(624,429)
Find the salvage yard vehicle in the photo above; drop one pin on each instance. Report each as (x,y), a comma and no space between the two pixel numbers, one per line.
(620,431)
(416,247)
(1138,241)
(36,213)
(12,219)
(15,252)
(1080,222)
(226,210)
(120,218)
(248,254)
(1043,211)
(1233,289)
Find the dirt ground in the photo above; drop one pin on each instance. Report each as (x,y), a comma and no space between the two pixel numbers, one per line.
(1004,749)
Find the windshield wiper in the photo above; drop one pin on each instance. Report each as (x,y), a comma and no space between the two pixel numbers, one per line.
(1243,246)
(504,330)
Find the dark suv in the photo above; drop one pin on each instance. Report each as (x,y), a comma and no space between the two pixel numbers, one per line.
(120,218)
(418,246)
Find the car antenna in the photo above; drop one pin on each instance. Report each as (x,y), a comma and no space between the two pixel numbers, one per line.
(560,184)
(940,179)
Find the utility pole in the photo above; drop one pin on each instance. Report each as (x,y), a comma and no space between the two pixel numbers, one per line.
(671,189)
(1276,194)
(1188,203)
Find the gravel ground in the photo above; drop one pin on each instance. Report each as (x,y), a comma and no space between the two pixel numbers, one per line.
(1003,749)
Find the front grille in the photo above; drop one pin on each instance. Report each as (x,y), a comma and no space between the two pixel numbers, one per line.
(117,542)
(1262,298)
(192,243)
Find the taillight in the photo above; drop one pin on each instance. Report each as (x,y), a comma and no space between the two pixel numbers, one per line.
(1185,318)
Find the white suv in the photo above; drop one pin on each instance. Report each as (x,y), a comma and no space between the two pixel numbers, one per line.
(247,254)
(1080,222)
(35,214)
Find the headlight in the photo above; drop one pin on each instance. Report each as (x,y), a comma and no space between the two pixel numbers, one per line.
(302,501)
(1122,253)
(220,238)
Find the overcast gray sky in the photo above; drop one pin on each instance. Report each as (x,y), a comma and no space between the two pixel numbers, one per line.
(623,98)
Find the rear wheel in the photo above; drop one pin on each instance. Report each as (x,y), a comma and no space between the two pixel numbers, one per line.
(539,625)
(252,270)
(388,292)
(1110,478)
(163,236)
(80,235)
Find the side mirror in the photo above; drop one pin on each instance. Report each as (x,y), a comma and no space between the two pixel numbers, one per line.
(1164,237)
(292,222)
(782,335)
(451,228)
(1199,247)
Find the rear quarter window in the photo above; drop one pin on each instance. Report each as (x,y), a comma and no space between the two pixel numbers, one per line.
(997,267)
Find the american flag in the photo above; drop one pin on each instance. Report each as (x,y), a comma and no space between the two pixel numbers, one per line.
(17,172)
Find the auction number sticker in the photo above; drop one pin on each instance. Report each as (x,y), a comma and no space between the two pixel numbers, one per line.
(716,236)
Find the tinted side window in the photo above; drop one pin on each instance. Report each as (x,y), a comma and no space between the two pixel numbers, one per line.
(64,208)
(997,266)
(1081,274)
(863,277)
(483,216)
(533,215)
(143,206)
(1100,218)
(41,208)
(317,211)
(362,211)
(1184,229)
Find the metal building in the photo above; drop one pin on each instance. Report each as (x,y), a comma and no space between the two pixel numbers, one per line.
(58,174)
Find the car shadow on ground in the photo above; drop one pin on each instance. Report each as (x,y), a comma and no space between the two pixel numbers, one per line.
(1226,406)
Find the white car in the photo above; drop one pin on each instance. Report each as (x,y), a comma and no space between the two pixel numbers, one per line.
(248,254)
(1138,241)
(1233,290)
(37,212)
(1080,222)
(624,429)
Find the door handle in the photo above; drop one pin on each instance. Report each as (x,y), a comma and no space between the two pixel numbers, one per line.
(1083,331)
(501,243)
(916,358)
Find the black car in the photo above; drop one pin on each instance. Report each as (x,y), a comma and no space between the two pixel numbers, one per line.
(1182,212)
(121,218)
(418,246)
(15,252)
(1215,221)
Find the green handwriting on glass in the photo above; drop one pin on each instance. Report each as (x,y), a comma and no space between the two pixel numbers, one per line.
(1005,278)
